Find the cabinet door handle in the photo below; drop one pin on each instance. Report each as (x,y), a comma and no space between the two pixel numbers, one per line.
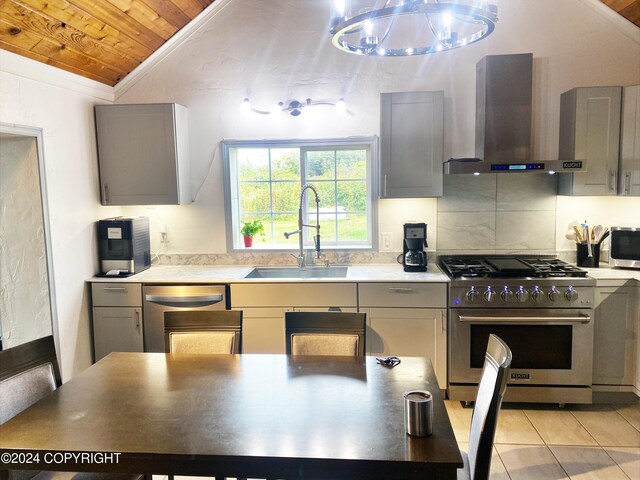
(385,184)
(627,183)
(401,289)
(137,317)
(612,180)
(443,323)
(105,189)
(116,289)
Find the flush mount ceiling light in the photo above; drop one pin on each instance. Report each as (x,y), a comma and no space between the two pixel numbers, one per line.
(294,107)
(397,28)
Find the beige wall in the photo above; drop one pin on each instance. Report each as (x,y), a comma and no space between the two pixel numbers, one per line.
(25,312)
(65,115)
(277,50)
(578,44)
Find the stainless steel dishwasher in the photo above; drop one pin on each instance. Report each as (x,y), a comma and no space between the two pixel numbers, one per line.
(159,299)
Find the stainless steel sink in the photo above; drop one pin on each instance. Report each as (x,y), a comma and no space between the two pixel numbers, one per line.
(298,272)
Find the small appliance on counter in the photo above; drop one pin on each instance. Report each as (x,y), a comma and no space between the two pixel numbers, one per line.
(624,249)
(123,246)
(414,258)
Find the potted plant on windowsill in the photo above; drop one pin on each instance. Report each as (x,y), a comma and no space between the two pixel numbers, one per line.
(250,230)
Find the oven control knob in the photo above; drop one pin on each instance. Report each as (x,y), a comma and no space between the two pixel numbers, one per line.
(489,295)
(553,294)
(506,294)
(473,295)
(522,294)
(536,294)
(571,295)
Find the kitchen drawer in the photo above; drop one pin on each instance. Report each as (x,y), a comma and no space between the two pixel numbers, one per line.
(403,295)
(116,294)
(293,295)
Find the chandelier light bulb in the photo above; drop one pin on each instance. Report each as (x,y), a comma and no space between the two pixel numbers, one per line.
(245,106)
(445,18)
(276,108)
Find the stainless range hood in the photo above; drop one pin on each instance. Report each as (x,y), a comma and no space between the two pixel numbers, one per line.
(504,85)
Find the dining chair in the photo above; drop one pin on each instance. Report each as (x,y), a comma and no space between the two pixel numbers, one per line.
(214,331)
(325,333)
(28,373)
(493,383)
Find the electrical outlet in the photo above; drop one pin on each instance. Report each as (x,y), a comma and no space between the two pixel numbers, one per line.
(385,241)
(163,233)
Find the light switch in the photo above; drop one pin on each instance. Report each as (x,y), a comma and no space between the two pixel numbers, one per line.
(385,241)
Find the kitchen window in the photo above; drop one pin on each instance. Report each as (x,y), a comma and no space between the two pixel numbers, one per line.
(263,182)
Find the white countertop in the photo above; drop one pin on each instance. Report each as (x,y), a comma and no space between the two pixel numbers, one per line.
(605,272)
(356,273)
(236,274)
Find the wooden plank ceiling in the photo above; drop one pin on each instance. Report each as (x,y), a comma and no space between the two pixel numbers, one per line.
(104,40)
(629,9)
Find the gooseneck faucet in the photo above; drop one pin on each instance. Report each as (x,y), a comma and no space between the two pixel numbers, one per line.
(316,239)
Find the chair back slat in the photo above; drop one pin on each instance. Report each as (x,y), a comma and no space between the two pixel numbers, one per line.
(325,333)
(211,331)
(28,372)
(493,384)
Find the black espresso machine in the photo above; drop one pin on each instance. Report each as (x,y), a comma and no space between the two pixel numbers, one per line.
(123,246)
(414,258)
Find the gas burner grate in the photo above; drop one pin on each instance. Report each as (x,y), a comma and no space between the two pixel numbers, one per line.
(490,267)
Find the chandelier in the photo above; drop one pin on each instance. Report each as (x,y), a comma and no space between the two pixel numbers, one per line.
(396,28)
(294,107)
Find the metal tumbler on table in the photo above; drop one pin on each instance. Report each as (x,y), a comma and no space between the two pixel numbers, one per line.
(418,413)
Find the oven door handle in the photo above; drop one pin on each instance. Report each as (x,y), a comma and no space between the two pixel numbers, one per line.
(184,300)
(499,319)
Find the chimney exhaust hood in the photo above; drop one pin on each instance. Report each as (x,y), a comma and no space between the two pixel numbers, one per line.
(504,85)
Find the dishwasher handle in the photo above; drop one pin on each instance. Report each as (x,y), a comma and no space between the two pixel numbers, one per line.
(185,300)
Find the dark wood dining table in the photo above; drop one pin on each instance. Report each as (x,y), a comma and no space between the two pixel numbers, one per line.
(263,416)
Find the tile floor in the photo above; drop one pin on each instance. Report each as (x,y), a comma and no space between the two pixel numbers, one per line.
(591,442)
(551,443)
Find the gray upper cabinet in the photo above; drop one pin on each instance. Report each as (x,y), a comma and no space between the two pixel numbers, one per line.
(590,130)
(629,181)
(143,154)
(411,144)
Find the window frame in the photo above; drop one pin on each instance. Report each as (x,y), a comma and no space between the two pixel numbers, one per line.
(304,145)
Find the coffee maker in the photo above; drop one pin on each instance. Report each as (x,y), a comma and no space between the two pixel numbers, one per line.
(414,258)
(123,246)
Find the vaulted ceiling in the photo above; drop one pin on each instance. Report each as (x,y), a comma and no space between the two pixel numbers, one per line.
(104,40)
(629,9)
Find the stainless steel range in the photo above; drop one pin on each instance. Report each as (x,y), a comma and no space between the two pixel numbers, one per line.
(540,306)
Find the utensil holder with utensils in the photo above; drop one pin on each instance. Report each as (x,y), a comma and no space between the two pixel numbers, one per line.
(583,258)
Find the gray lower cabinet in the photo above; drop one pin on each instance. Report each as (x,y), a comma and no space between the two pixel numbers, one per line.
(590,130)
(629,178)
(617,315)
(411,144)
(117,318)
(407,319)
(143,154)
(264,305)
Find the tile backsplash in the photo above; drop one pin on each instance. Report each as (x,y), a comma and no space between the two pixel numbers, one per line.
(497,213)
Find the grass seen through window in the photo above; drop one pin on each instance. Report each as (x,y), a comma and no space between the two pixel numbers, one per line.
(268,182)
